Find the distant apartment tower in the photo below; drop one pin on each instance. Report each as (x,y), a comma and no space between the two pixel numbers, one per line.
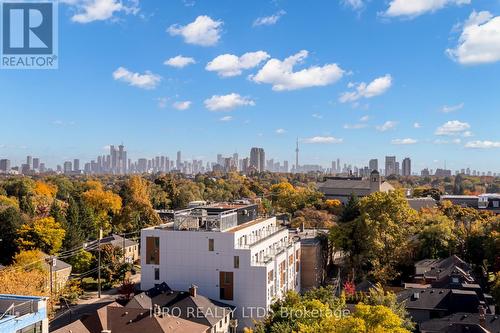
(257,159)
(76,165)
(373,164)
(390,165)
(67,168)
(407,167)
(4,165)
(29,162)
(36,163)
(178,162)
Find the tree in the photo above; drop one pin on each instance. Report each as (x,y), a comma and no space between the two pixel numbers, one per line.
(377,241)
(351,210)
(436,235)
(458,187)
(137,211)
(312,218)
(367,318)
(104,204)
(10,222)
(378,296)
(81,262)
(44,234)
(73,225)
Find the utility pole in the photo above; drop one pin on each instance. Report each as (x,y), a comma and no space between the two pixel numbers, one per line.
(99,264)
(52,263)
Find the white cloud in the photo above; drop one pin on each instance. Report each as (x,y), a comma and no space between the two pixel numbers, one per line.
(181,105)
(227,102)
(452,127)
(226,118)
(407,141)
(452,108)
(323,139)
(355,126)
(413,8)
(179,61)
(446,142)
(317,116)
(354,4)
(364,118)
(479,42)
(417,125)
(162,102)
(281,75)
(203,31)
(147,80)
(227,65)
(269,20)
(483,144)
(280,131)
(375,88)
(100,10)
(388,125)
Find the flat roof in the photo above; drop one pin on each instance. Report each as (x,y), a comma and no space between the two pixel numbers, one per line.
(247,224)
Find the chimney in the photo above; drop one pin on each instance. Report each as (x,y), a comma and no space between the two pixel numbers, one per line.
(302,227)
(193,291)
(482,316)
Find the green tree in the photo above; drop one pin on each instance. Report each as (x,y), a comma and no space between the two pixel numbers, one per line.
(351,210)
(10,222)
(436,236)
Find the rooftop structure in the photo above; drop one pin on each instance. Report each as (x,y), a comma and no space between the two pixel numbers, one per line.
(23,314)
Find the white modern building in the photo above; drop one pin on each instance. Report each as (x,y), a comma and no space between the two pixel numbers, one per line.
(249,265)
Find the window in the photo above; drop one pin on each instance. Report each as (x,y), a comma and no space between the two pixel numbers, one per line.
(236,262)
(157,274)
(210,244)
(270,276)
(33,328)
(152,250)
(226,285)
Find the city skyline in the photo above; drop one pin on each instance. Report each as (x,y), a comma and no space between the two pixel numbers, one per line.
(117,161)
(229,88)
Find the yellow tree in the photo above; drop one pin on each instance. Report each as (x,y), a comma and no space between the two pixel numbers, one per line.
(137,211)
(45,234)
(43,197)
(104,204)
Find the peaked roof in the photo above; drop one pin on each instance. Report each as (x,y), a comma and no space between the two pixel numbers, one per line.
(209,312)
(116,318)
(463,322)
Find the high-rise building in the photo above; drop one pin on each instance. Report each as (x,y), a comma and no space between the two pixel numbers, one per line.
(4,165)
(67,167)
(236,161)
(178,162)
(390,165)
(257,159)
(373,164)
(76,165)
(297,156)
(29,162)
(36,163)
(406,167)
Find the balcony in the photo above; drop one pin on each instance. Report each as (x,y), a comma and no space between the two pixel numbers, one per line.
(253,240)
(271,254)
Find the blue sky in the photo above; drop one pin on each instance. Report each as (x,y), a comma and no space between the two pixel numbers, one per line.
(363,79)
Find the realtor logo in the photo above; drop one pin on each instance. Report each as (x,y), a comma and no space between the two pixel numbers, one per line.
(29,35)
